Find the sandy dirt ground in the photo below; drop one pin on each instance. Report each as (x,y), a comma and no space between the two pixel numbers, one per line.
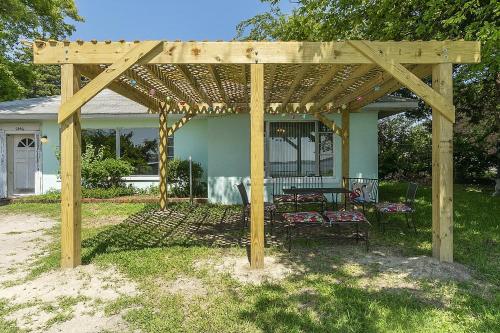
(57,301)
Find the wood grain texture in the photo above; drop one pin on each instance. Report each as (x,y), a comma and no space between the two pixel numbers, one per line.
(345,146)
(100,82)
(442,168)
(251,52)
(71,218)
(408,79)
(329,123)
(257,165)
(163,159)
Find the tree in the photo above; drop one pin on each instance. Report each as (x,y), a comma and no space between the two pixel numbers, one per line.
(24,19)
(476,87)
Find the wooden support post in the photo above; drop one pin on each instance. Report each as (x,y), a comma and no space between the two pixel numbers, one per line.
(70,173)
(163,158)
(257,165)
(345,147)
(442,168)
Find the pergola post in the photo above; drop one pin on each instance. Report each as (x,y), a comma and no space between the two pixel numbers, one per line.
(345,147)
(70,173)
(257,165)
(163,158)
(442,168)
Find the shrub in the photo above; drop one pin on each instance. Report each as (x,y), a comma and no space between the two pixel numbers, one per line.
(100,172)
(178,178)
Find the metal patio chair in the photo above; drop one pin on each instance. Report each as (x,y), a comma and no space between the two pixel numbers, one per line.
(269,208)
(363,192)
(407,208)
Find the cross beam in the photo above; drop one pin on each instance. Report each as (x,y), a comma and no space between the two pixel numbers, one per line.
(82,96)
(251,52)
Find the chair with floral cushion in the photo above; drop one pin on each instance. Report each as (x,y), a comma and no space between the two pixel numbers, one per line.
(296,220)
(407,208)
(350,218)
(269,208)
(363,191)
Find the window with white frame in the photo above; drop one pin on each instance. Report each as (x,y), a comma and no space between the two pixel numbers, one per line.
(298,148)
(139,146)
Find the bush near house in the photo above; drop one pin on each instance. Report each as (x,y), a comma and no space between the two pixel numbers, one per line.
(100,172)
(178,176)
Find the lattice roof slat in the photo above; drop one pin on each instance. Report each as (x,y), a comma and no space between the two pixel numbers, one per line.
(298,76)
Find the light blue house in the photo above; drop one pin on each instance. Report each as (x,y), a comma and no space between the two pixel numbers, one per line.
(295,145)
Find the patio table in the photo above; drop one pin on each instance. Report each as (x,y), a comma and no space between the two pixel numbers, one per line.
(334,191)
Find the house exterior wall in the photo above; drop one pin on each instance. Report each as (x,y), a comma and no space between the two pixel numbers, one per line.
(229,153)
(222,146)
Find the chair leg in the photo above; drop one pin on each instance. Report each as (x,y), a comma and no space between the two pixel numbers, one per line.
(413,222)
(367,240)
(289,237)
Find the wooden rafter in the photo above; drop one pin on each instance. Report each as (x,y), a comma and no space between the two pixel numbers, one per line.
(389,86)
(156,73)
(146,50)
(146,84)
(194,83)
(329,123)
(92,71)
(355,75)
(181,122)
(216,77)
(410,80)
(272,68)
(295,83)
(251,52)
(327,77)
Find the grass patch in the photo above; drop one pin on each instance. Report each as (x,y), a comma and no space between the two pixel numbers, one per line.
(326,296)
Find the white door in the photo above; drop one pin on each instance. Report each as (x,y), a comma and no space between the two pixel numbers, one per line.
(24,164)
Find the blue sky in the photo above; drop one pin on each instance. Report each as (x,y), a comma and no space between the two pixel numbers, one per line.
(167,19)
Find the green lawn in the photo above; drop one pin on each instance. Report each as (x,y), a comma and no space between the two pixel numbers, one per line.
(326,295)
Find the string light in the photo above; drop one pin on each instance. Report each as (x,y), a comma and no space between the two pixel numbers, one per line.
(344,106)
(376,88)
(359,98)
(133,83)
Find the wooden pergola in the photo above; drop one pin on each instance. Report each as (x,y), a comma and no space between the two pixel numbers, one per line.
(211,78)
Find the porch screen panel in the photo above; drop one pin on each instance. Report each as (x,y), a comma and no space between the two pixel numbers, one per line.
(292,149)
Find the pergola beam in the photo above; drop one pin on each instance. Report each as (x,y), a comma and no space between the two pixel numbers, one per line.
(71,205)
(215,76)
(389,86)
(442,168)
(407,78)
(257,166)
(163,158)
(157,74)
(330,124)
(355,75)
(327,77)
(295,83)
(143,50)
(251,52)
(92,71)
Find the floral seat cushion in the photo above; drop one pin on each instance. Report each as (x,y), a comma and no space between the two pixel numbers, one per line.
(345,216)
(311,197)
(393,207)
(303,217)
(281,198)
